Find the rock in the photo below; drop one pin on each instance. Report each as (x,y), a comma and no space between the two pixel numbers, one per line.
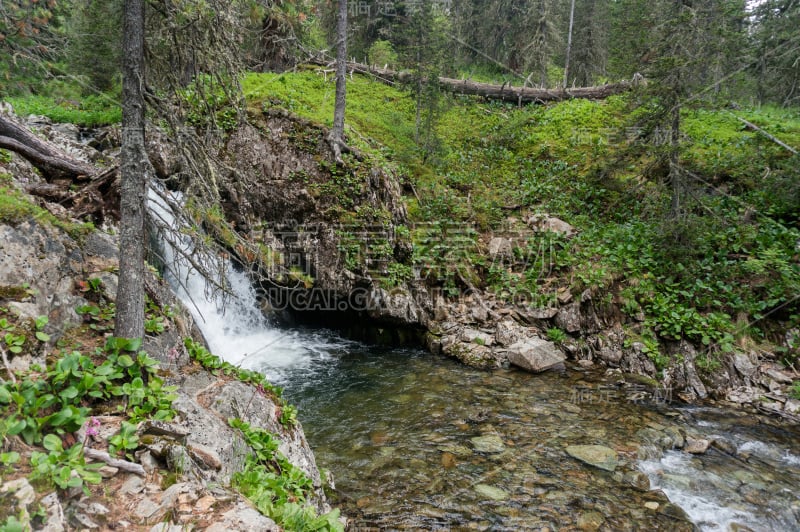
(692,378)
(205,456)
(204,504)
(569,318)
(500,247)
(792,406)
(638,480)
(590,521)
(22,491)
(54,513)
(778,376)
(448,460)
(166,527)
(491,492)
(178,459)
(564,296)
(543,313)
(744,364)
(595,455)
(132,486)
(83,521)
(550,224)
(535,354)
(651,505)
(696,446)
(477,356)
(397,306)
(108,471)
(95,508)
(507,332)
(145,509)
(491,443)
(478,337)
(243,518)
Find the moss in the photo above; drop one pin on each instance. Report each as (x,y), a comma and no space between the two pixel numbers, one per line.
(15,208)
(13,293)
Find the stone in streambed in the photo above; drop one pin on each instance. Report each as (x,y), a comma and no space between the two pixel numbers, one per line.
(595,455)
(535,355)
(491,443)
(696,446)
(491,492)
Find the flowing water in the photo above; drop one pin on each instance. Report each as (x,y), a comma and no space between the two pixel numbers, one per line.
(422,442)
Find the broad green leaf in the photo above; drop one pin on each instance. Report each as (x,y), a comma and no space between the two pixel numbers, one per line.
(52,442)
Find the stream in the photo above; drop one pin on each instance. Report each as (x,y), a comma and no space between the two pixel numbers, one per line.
(416,441)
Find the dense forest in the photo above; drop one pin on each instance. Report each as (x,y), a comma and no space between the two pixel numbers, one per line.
(675,185)
(621,176)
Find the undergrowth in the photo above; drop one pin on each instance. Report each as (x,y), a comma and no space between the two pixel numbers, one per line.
(718,274)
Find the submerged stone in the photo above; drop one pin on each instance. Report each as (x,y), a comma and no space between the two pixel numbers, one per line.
(491,443)
(595,455)
(490,491)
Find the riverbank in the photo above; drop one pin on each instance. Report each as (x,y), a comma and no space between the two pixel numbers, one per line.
(87,443)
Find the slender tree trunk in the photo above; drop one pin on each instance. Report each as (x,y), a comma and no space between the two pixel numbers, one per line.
(337,132)
(133,172)
(675,174)
(569,43)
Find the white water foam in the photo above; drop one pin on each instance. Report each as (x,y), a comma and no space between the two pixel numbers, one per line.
(699,504)
(235,328)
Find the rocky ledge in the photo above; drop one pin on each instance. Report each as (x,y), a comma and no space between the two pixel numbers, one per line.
(178,475)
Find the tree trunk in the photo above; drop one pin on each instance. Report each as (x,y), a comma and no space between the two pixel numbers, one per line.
(675,172)
(133,170)
(336,137)
(503,92)
(569,43)
(49,159)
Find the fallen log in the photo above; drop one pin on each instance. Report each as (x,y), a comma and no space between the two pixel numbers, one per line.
(53,162)
(505,92)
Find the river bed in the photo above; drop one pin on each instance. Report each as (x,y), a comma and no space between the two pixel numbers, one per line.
(416,441)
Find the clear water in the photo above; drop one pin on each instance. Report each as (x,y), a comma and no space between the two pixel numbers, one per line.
(422,442)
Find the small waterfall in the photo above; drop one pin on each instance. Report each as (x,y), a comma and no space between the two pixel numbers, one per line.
(234,326)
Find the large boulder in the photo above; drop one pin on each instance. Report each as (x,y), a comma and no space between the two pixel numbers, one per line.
(536,355)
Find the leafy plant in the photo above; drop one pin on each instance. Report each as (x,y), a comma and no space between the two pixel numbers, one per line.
(275,486)
(63,468)
(556,335)
(125,440)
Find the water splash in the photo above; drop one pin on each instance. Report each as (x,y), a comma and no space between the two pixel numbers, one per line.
(234,327)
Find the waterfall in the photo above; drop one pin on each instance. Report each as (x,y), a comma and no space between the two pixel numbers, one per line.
(234,326)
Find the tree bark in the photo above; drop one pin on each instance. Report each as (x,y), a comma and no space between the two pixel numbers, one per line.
(569,43)
(133,171)
(48,158)
(503,92)
(336,137)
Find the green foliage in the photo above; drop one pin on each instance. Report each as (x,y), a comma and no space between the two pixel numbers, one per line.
(795,389)
(57,400)
(585,162)
(275,486)
(89,111)
(381,54)
(63,468)
(556,335)
(16,208)
(209,103)
(125,440)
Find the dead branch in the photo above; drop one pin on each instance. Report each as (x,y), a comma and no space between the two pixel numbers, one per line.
(773,138)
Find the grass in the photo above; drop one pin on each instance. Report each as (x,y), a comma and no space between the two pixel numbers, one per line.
(91,111)
(15,208)
(731,254)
